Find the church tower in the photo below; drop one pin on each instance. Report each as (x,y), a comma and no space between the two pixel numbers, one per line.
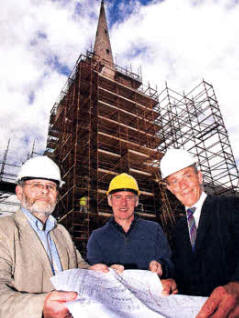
(103,124)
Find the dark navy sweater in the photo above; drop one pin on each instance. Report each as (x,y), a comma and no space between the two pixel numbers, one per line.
(144,242)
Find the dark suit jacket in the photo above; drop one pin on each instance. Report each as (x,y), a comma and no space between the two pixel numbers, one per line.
(215,260)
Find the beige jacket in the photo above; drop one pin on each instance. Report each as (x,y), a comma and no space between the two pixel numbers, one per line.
(25,269)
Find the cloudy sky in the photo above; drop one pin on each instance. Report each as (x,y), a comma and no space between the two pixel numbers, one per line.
(178,41)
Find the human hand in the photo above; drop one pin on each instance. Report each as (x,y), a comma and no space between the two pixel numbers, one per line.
(169,286)
(118,268)
(156,267)
(99,268)
(54,304)
(222,303)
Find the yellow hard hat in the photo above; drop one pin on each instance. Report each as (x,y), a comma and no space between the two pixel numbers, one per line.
(123,182)
(83,201)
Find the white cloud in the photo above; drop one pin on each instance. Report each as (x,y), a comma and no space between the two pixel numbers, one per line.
(33,34)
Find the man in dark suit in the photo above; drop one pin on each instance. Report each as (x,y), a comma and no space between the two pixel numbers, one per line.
(206,240)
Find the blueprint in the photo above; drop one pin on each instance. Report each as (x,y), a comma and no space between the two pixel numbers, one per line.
(131,294)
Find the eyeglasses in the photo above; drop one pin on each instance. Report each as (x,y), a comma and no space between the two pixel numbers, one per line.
(38,186)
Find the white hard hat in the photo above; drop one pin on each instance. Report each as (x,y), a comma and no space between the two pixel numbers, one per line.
(40,167)
(175,160)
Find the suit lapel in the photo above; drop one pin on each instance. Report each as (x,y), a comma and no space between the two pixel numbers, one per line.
(57,237)
(204,225)
(184,233)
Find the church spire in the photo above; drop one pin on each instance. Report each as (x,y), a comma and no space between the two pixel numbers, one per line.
(102,47)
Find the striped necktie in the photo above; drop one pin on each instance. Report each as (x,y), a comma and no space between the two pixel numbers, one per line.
(192,226)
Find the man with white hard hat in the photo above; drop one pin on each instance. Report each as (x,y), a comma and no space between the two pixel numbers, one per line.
(205,240)
(33,247)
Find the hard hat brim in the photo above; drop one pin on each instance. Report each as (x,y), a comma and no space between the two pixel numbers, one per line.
(32,178)
(123,189)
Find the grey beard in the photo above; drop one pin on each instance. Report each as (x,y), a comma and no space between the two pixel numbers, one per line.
(36,208)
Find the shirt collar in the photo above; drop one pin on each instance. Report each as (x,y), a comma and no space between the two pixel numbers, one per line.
(49,225)
(119,227)
(198,205)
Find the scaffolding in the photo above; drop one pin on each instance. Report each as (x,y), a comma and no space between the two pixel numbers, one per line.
(10,164)
(194,122)
(102,126)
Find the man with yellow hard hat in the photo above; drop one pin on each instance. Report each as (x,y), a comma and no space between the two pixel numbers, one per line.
(127,239)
